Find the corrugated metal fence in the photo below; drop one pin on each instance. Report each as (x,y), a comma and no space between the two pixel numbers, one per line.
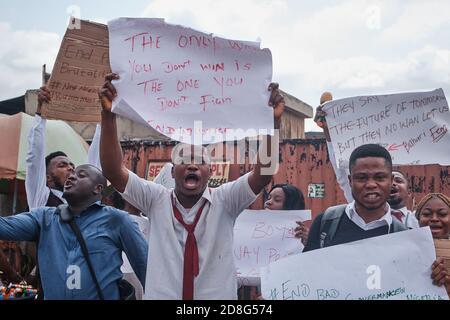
(303,163)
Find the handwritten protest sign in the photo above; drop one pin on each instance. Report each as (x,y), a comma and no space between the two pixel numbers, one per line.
(78,74)
(173,77)
(413,127)
(394,266)
(262,237)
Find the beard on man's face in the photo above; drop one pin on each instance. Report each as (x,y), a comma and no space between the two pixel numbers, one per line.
(57,183)
(394,201)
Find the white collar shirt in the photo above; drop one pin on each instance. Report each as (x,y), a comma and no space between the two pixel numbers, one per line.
(350,210)
(214,234)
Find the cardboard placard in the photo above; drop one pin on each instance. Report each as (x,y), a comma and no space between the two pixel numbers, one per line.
(78,74)
(443,251)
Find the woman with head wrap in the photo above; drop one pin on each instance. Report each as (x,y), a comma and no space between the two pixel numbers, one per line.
(434,211)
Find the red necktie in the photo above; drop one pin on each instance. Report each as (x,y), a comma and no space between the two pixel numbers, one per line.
(191,265)
(398,214)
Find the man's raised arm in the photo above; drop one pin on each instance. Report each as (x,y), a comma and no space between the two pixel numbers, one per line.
(263,172)
(110,150)
(35,180)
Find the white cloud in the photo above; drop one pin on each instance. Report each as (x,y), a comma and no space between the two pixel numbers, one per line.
(430,65)
(22,54)
(419,20)
(233,18)
(423,68)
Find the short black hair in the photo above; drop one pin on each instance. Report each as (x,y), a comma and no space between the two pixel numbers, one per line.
(370,150)
(53,155)
(293,197)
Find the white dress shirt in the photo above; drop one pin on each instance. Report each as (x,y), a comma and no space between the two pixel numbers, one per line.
(408,218)
(350,210)
(36,177)
(214,233)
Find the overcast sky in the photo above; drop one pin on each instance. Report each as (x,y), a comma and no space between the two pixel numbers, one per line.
(348,47)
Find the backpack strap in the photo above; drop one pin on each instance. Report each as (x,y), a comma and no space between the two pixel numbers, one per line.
(329,223)
(40,289)
(67,217)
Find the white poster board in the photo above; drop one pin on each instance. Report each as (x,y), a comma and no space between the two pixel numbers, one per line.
(413,127)
(189,85)
(394,266)
(262,237)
